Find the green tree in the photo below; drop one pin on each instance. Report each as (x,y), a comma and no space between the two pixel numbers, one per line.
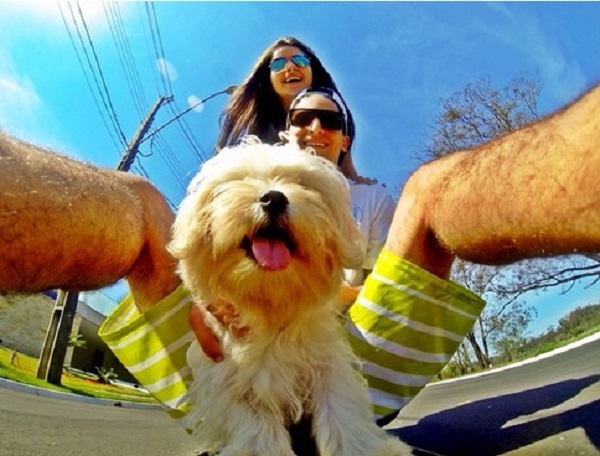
(508,335)
(579,320)
(503,317)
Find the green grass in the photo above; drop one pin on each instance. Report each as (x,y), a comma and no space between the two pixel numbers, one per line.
(562,342)
(23,371)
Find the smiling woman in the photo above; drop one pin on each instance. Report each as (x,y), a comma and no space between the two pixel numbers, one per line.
(259,106)
(290,73)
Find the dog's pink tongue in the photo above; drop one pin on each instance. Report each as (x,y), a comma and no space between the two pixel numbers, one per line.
(271,254)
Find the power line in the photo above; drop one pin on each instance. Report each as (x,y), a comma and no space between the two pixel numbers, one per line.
(168,156)
(160,53)
(138,168)
(101,74)
(125,64)
(129,53)
(87,80)
(182,174)
(156,48)
(185,130)
(149,52)
(162,50)
(119,134)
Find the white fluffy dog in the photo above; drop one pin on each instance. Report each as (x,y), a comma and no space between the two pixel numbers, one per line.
(269,229)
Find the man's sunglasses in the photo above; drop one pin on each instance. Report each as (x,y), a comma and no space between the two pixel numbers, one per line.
(329,120)
(278,64)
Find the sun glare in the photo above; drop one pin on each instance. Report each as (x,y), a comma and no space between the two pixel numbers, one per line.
(48,13)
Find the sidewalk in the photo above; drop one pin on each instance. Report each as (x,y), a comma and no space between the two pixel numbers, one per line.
(5,383)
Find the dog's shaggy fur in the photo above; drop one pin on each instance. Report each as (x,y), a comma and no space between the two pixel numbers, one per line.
(269,229)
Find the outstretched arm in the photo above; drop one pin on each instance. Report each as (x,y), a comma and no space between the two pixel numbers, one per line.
(530,193)
(72,225)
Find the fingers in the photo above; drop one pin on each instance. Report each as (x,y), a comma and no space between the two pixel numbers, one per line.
(228,316)
(209,342)
(285,137)
(223,311)
(365,180)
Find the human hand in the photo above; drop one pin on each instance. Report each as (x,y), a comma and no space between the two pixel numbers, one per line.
(285,137)
(209,342)
(347,296)
(365,180)
(226,314)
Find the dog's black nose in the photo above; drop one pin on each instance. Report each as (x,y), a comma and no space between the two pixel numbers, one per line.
(273,202)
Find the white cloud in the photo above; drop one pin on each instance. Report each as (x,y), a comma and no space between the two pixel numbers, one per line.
(193,100)
(20,102)
(23,112)
(166,69)
(22,92)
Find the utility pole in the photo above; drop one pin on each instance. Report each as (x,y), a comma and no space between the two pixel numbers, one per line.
(51,361)
(132,147)
(55,345)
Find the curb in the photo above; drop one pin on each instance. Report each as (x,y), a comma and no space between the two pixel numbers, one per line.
(30,389)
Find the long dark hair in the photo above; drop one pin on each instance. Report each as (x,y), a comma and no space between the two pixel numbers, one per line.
(255,108)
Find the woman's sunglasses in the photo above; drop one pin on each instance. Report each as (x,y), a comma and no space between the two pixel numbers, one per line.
(278,64)
(329,120)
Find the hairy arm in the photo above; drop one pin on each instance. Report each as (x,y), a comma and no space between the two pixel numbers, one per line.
(71,225)
(530,193)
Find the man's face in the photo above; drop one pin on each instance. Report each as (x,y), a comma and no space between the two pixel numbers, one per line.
(327,142)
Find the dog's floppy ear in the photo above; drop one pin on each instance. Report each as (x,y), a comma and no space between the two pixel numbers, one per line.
(189,226)
(181,240)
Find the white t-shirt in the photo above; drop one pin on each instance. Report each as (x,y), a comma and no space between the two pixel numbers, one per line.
(372,208)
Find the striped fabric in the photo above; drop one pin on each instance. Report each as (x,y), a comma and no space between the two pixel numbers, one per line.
(405,326)
(153,347)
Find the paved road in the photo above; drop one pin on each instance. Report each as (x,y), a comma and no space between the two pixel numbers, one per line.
(549,408)
(31,425)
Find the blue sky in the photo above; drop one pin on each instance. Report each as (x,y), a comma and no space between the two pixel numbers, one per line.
(393,61)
